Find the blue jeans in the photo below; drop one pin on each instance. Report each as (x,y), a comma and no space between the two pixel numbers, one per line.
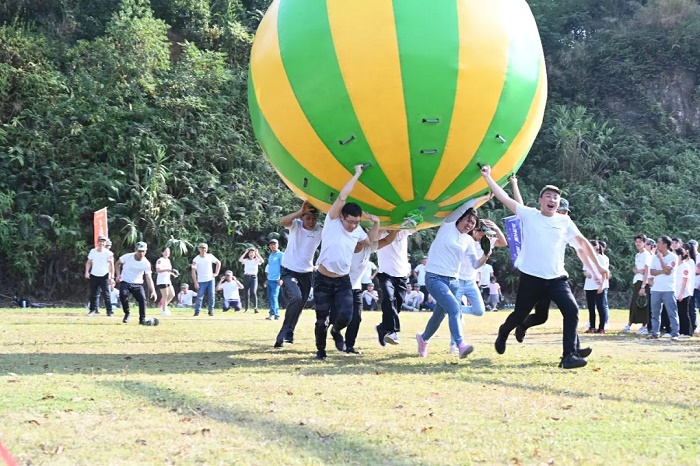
(668,298)
(273,293)
(204,288)
(444,290)
(476,306)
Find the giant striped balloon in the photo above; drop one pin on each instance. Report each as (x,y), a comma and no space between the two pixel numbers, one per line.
(424,90)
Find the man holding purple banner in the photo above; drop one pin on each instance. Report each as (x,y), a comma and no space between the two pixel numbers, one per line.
(541,263)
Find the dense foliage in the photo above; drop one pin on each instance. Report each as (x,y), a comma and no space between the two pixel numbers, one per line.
(140,106)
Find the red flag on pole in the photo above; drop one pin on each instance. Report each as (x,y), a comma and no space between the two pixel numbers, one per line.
(100,224)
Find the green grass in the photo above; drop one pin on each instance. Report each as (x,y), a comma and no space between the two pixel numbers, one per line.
(212,390)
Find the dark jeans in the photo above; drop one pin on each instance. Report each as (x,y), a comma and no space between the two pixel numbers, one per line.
(296,288)
(684,320)
(137,291)
(540,316)
(102,284)
(600,301)
(250,287)
(231,303)
(354,325)
(334,302)
(393,295)
(531,291)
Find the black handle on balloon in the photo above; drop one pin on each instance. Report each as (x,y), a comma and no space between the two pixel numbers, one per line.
(366,165)
(478,164)
(346,141)
(501,138)
(431,120)
(429,152)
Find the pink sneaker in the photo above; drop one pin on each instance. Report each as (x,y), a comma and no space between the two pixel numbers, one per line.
(465,350)
(422,345)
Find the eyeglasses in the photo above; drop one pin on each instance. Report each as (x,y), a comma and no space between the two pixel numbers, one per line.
(353,223)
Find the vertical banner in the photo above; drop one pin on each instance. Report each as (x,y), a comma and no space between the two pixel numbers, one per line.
(514,234)
(99,222)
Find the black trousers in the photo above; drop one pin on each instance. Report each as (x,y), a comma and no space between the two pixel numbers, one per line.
(531,291)
(393,295)
(540,316)
(354,325)
(686,324)
(333,302)
(250,287)
(296,287)
(595,300)
(139,294)
(101,283)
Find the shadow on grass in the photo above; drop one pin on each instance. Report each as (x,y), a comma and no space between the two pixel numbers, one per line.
(318,445)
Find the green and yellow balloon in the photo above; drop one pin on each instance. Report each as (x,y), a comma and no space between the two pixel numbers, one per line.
(425,91)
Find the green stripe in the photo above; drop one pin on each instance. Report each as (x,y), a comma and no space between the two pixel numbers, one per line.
(522,78)
(309,58)
(428,37)
(292,170)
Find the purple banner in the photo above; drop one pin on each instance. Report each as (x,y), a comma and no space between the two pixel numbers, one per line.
(514,233)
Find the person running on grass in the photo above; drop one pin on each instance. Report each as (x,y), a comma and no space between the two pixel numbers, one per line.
(332,287)
(541,263)
(164,271)
(130,279)
(297,266)
(394,269)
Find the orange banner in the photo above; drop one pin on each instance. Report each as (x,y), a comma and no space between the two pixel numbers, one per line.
(100,224)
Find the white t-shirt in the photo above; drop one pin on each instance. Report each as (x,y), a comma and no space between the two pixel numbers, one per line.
(100,261)
(641,260)
(445,253)
(250,266)
(469,258)
(301,246)
(367,274)
(358,266)
(203,266)
(369,296)
(114,296)
(697,277)
(133,270)
(494,288)
(163,278)
(338,246)
(590,283)
(685,269)
(186,297)
(230,290)
(664,282)
(420,274)
(393,258)
(486,272)
(544,243)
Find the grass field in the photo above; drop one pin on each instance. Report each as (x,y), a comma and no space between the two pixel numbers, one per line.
(212,390)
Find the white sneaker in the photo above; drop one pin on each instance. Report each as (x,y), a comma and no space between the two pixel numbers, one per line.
(391,338)
(683,336)
(454,349)
(643,331)
(666,335)
(627,329)
(166,312)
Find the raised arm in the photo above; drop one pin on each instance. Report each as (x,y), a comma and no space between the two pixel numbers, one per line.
(373,233)
(388,239)
(501,240)
(497,191)
(337,206)
(516,190)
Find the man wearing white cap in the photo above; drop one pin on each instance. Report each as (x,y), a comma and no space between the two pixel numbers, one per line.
(130,279)
(203,277)
(99,269)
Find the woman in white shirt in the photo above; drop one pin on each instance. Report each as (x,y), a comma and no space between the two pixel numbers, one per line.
(251,260)
(164,269)
(596,293)
(685,279)
(442,271)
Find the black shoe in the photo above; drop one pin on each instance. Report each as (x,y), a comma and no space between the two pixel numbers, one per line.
(571,361)
(224,310)
(142,322)
(321,354)
(500,345)
(520,333)
(244,312)
(352,350)
(196,314)
(278,343)
(338,339)
(211,313)
(110,314)
(380,336)
(126,319)
(256,311)
(584,352)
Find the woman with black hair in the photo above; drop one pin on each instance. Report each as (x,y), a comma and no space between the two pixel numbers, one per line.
(251,260)
(596,292)
(685,278)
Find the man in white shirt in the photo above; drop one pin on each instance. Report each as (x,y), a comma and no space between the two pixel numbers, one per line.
(203,277)
(99,269)
(642,262)
(394,269)
(414,299)
(332,287)
(368,274)
(186,296)
(230,287)
(370,298)
(663,291)
(135,268)
(541,263)
(297,266)
(419,274)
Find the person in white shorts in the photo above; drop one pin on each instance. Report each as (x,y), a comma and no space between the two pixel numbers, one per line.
(164,269)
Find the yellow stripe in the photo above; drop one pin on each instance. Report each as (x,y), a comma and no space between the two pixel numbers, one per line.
(287,120)
(483,62)
(368,54)
(518,149)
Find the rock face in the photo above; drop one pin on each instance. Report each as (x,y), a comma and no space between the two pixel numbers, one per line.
(679,96)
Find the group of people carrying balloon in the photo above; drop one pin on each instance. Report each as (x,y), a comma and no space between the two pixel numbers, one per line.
(453,257)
